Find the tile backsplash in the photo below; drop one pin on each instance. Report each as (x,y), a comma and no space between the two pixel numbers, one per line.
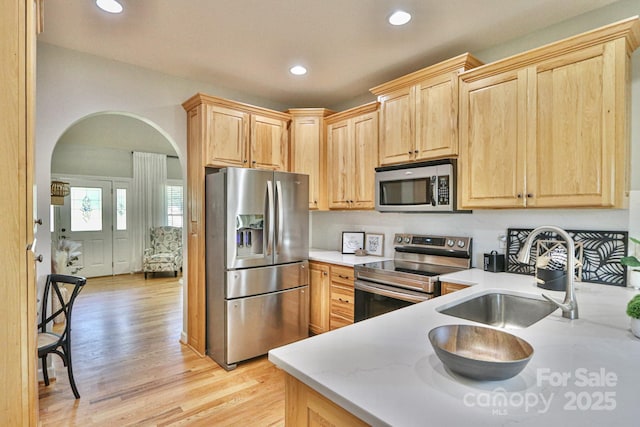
(484,226)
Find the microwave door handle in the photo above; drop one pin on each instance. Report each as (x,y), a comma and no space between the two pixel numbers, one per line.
(279,217)
(434,189)
(270,218)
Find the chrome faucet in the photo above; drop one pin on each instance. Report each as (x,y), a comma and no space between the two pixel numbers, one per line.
(569,306)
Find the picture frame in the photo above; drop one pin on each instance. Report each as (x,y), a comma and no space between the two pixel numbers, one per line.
(374,244)
(352,241)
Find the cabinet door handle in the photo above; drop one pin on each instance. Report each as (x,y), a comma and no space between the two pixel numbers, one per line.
(529,195)
(324,273)
(415,151)
(343,277)
(36,223)
(244,161)
(39,258)
(343,300)
(519,196)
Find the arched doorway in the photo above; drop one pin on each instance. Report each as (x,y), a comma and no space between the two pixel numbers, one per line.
(94,156)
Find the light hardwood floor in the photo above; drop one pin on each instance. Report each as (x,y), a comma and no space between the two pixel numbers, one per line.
(131,369)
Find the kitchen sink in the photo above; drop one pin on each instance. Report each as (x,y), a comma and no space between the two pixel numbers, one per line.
(501,309)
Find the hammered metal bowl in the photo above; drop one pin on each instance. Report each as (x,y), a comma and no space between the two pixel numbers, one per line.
(480,353)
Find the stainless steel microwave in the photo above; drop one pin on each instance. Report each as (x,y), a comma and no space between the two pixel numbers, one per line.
(417,187)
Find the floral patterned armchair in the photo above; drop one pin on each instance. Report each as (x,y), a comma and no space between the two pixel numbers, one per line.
(165,253)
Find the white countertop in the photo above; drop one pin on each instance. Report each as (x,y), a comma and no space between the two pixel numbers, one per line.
(335,257)
(385,371)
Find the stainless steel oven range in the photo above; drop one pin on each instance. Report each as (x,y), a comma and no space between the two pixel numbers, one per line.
(412,276)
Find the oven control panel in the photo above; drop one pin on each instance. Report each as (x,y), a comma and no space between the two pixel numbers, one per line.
(420,242)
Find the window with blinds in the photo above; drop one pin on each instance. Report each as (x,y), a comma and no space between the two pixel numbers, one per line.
(174,205)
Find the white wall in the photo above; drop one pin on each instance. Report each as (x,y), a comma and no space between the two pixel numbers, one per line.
(79,159)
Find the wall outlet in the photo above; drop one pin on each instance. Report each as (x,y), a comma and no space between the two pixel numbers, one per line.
(502,241)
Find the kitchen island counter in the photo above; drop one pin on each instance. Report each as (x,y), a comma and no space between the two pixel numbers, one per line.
(385,372)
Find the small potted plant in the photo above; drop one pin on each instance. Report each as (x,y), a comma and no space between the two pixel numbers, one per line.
(633,311)
(634,265)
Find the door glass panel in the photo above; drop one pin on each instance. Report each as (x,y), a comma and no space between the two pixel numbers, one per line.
(249,235)
(86,209)
(121,209)
(405,192)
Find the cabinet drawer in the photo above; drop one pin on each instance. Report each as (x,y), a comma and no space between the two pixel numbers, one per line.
(341,295)
(342,306)
(341,273)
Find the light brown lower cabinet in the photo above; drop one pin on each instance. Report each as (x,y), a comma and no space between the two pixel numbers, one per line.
(306,407)
(319,297)
(447,288)
(342,294)
(331,302)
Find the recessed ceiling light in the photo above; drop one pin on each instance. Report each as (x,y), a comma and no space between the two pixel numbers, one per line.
(298,70)
(399,17)
(111,6)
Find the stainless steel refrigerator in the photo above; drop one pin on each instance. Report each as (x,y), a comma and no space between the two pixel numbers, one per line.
(257,247)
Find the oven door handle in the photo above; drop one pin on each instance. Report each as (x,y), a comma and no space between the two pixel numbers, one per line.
(389,293)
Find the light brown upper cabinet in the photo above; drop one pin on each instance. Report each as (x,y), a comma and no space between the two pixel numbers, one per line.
(352,156)
(308,151)
(419,112)
(550,127)
(241,135)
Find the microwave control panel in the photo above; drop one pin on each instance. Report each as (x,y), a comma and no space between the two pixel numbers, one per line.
(443,190)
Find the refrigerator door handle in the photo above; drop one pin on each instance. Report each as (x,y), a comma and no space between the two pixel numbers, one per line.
(270,212)
(279,217)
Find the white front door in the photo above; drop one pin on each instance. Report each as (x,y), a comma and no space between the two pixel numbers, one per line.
(87,217)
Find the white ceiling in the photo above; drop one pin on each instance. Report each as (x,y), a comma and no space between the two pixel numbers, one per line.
(248,45)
